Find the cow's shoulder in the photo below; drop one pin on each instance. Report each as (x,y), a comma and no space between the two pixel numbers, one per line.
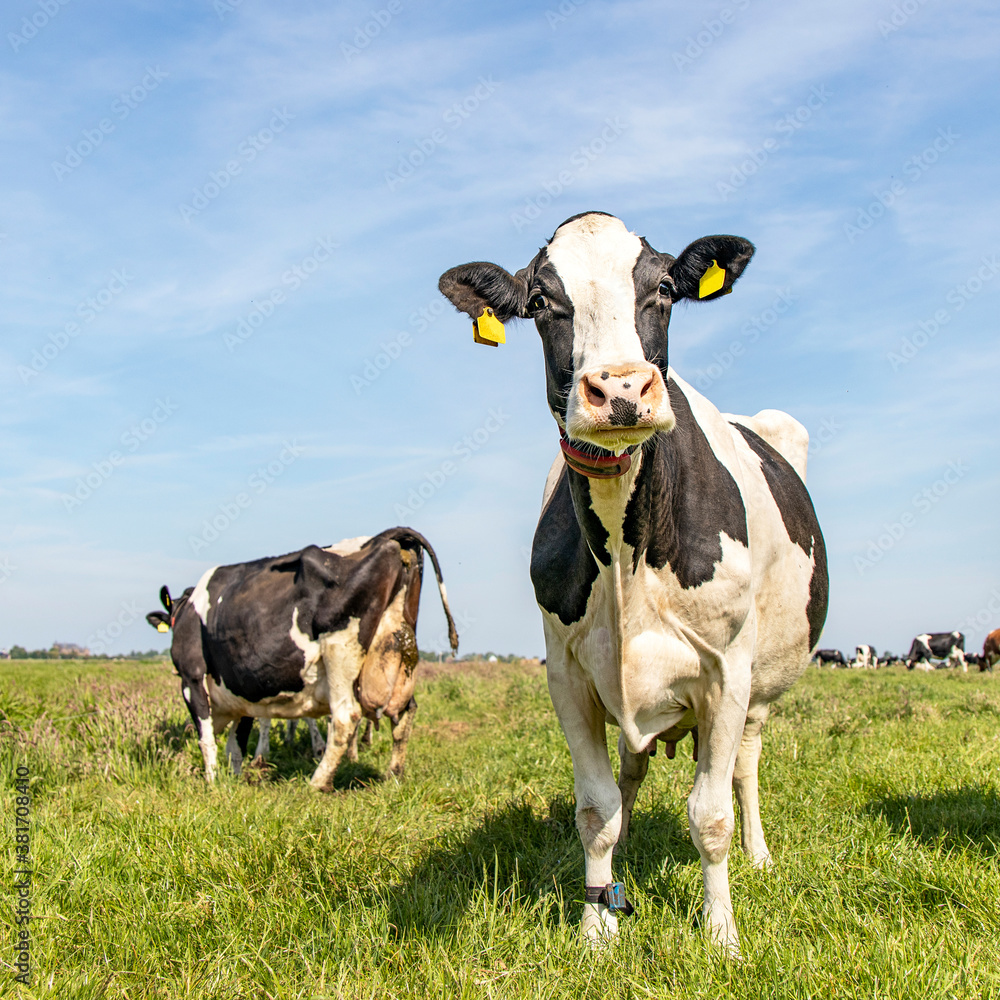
(563,568)
(686,495)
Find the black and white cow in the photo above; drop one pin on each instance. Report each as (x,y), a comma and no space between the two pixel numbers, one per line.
(865,657)
(677,561)
(832,657)
(948,646)
(320,632)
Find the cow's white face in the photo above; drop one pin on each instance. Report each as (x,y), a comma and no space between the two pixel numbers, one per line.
(600,297)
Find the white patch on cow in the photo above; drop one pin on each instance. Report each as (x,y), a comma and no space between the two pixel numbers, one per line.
(348,546)
(552,479)
(782,432)
(209,752)
(309,647)
(199,599)
(186,693)
(594,256)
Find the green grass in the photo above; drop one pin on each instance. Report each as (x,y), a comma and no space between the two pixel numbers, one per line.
(880,802)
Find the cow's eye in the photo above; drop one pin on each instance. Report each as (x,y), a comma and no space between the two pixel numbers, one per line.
(537,303)
(666,288)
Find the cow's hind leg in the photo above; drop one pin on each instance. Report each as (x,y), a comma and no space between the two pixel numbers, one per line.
(631,773)
(342,669)
(263,740)
(747,791)
(196,699)
(400,737)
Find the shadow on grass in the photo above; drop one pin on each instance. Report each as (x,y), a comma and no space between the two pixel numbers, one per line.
(518,859)
(962,816)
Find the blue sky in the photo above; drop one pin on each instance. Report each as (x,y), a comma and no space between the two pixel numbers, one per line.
(223,223)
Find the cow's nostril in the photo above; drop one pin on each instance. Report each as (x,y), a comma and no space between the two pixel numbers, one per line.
(594,395)
(647,387)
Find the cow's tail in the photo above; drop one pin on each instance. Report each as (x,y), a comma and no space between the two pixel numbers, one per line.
(408,535)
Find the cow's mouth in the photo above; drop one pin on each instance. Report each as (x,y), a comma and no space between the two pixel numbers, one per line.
(595,462)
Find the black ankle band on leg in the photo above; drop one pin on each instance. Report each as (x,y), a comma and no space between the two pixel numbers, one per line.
(612,896)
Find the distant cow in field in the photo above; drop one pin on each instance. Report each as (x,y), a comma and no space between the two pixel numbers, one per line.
(829,657)
(948,646)
(677,561)
(865,657)
(991,649)
(319,632)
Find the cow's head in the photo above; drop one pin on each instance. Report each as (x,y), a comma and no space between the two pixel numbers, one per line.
(601,297)
(163,621)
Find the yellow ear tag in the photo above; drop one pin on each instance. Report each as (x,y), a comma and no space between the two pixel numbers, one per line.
(488,329)
(162,627)
(711,281)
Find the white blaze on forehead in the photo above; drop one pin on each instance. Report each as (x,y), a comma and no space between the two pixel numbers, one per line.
(199,596)
(594,256)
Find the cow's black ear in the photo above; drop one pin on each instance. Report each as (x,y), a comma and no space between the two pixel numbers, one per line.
(695,273)
(159,621)
(165,598)
(473,287)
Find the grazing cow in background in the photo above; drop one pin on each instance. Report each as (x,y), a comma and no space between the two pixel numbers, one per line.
(316,632)
(948,646)
(865,657)
(264,739)
(678,562)
(991,649)
(975,660)
(823,657)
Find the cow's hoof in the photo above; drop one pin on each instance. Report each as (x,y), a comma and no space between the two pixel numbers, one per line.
(599,925)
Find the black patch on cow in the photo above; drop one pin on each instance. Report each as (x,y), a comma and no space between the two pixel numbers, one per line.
(652,310)
(684,499)
(800,522)
(473,287)
(563,564)
(732,253)
(624,413)
(555,327)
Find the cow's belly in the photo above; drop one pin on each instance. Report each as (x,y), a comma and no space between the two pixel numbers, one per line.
(668,636)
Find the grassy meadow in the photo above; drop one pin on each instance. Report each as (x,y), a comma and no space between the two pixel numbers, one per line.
(881,802)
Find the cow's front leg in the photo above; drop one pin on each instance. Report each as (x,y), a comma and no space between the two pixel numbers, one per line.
(196,698)
(747,791)
(598,801)
(316,738)
(710,805)
(236,745)
(631,772)
(400,737)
